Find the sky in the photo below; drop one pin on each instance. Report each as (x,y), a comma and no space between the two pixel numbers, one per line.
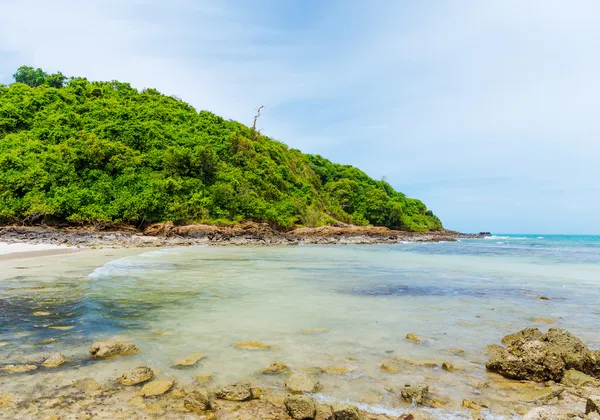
(487,111)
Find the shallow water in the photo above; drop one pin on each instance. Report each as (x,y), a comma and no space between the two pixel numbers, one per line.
(172,302)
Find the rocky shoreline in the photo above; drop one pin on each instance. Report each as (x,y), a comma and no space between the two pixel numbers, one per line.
(166,234)
(536,376)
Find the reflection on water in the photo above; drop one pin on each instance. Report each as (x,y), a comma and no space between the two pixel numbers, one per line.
(365,299)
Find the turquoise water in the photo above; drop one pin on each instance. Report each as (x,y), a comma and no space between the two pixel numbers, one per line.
(176,301)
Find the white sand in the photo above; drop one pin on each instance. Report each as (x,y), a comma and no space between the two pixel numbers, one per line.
(6,248)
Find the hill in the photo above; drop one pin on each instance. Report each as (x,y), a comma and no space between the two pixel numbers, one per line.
(80,152)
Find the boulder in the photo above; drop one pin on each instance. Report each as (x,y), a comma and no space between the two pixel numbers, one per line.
(300,382)
(112,348)
(414,338)
(324,412)
(346,412)
(576,379)
(198,401)
(448,367)
(300,407)
(55,360)
(493,349)
(592,405)
(189,360)
(415,393)
(18,368)
(156,388)
(136,376)
(275,368)
(242,391)
(532,355)
(251,345)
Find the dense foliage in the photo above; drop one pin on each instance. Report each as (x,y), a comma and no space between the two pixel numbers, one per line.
(86,152)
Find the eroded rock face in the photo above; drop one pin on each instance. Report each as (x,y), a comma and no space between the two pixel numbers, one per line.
(55,360)
(300,382)
(415,393)
(112,348)
(535,356)
(136,376)
(198,401)
(242,391)
(300,407)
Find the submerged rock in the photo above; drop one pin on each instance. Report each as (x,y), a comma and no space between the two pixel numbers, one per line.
(390,366)
(300,407)
(156,388)
(346,412)
(136,376)
(275,368)
(300,382)
(251,345)
(241,391)
(55,360)
(336,370)
(112,348)
(415,393)
(313,331)
(198,401)
(88,385)
(455,350)
(414,338)
(203,379)
(189,360)
(535,356)
(18,368)
(543,320)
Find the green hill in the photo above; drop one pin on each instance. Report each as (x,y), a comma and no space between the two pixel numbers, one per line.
(81,152)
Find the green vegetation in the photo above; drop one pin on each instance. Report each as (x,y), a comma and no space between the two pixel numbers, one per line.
(86,152)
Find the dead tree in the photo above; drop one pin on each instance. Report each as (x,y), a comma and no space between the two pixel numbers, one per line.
(256,133)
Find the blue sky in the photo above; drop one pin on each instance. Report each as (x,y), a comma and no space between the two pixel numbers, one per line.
(487,111)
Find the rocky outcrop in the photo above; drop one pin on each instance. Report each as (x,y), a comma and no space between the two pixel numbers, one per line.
(136,376)
(112,348)
(300,382)
(535,356)
(300,407)
(198,401)
(55,360)
(241,391)
(415,393)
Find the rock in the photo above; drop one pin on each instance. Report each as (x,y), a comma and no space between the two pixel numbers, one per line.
(528,334)
(41,313)
(551,413)
(448,367)
(493,349)
(346,412)
(472,405)
(6,399)
(577,379)
(3,343)
(275,368)
(543,320)
(189,360)
(336,370)
(111,348)
(55,360)
(415,393)
(62,327)
(18,368)
(136,376)
(156,388)
(592,405)
(242,391)
(324,412)
(88,386)
(542,357)
(455,350)
(300,407)
(198,401)
(251,345)
(203,379)
(314,331)
(414,338)
(300,382)
(391,366)
(542,297)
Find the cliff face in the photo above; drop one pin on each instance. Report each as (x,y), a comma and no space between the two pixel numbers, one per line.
(95,153)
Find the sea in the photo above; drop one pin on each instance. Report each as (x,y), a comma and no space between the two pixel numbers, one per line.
(338,311)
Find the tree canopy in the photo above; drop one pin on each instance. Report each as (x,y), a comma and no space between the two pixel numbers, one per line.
(83,152)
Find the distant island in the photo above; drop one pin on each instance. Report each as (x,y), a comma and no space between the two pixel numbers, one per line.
(82,153)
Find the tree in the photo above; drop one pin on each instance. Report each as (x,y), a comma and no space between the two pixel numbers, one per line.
(30,76)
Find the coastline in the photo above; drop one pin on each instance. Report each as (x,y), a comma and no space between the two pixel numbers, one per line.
(166,234)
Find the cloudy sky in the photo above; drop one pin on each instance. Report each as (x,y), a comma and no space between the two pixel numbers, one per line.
(488,111)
